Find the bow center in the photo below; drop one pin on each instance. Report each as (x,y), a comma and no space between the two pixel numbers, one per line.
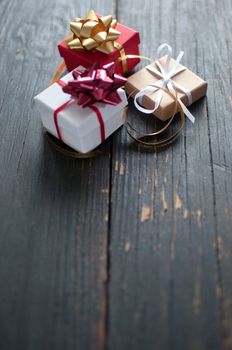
(166,78)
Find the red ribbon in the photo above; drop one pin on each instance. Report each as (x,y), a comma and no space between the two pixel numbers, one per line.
(100,120)
(92,107)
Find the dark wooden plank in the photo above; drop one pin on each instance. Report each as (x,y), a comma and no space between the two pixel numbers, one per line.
(54,210)
(171,244)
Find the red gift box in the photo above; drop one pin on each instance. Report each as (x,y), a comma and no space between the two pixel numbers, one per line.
(129,40)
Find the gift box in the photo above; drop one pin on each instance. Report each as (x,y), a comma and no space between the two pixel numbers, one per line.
(127,43)
(83,129)
(156,76)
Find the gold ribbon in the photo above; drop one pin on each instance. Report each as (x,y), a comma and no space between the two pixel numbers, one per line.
(141,140)
(122,58)
(93,33)
(68,151)
(57,73)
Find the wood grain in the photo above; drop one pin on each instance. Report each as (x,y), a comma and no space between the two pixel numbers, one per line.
(170,234)
(130,250)
(54,210)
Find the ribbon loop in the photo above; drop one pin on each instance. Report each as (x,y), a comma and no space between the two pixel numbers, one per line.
(169,54)
(165,82)
(164,46)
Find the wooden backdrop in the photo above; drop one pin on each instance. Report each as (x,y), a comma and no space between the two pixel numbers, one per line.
(130,250)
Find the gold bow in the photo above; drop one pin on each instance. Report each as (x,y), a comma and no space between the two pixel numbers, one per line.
(93,33)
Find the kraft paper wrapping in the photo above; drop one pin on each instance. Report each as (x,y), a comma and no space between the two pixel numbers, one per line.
(189,80)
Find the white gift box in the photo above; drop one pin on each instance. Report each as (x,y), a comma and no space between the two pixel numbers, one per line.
(79,127)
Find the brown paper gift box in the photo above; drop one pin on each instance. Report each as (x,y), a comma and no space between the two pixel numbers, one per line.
(190,81)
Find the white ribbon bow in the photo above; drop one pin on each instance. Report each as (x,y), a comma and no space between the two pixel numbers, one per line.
(166,82)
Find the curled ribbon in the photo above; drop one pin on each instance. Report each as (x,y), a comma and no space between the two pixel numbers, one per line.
(166,83)
(93,33)
(143,140)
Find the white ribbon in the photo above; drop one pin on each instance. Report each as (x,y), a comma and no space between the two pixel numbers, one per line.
(166,82)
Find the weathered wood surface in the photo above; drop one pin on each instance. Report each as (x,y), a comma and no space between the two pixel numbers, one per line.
(131,250)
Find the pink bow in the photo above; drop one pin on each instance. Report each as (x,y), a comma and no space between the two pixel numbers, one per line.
(96,84)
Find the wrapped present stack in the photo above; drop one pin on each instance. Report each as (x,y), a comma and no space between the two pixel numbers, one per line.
(87,105)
